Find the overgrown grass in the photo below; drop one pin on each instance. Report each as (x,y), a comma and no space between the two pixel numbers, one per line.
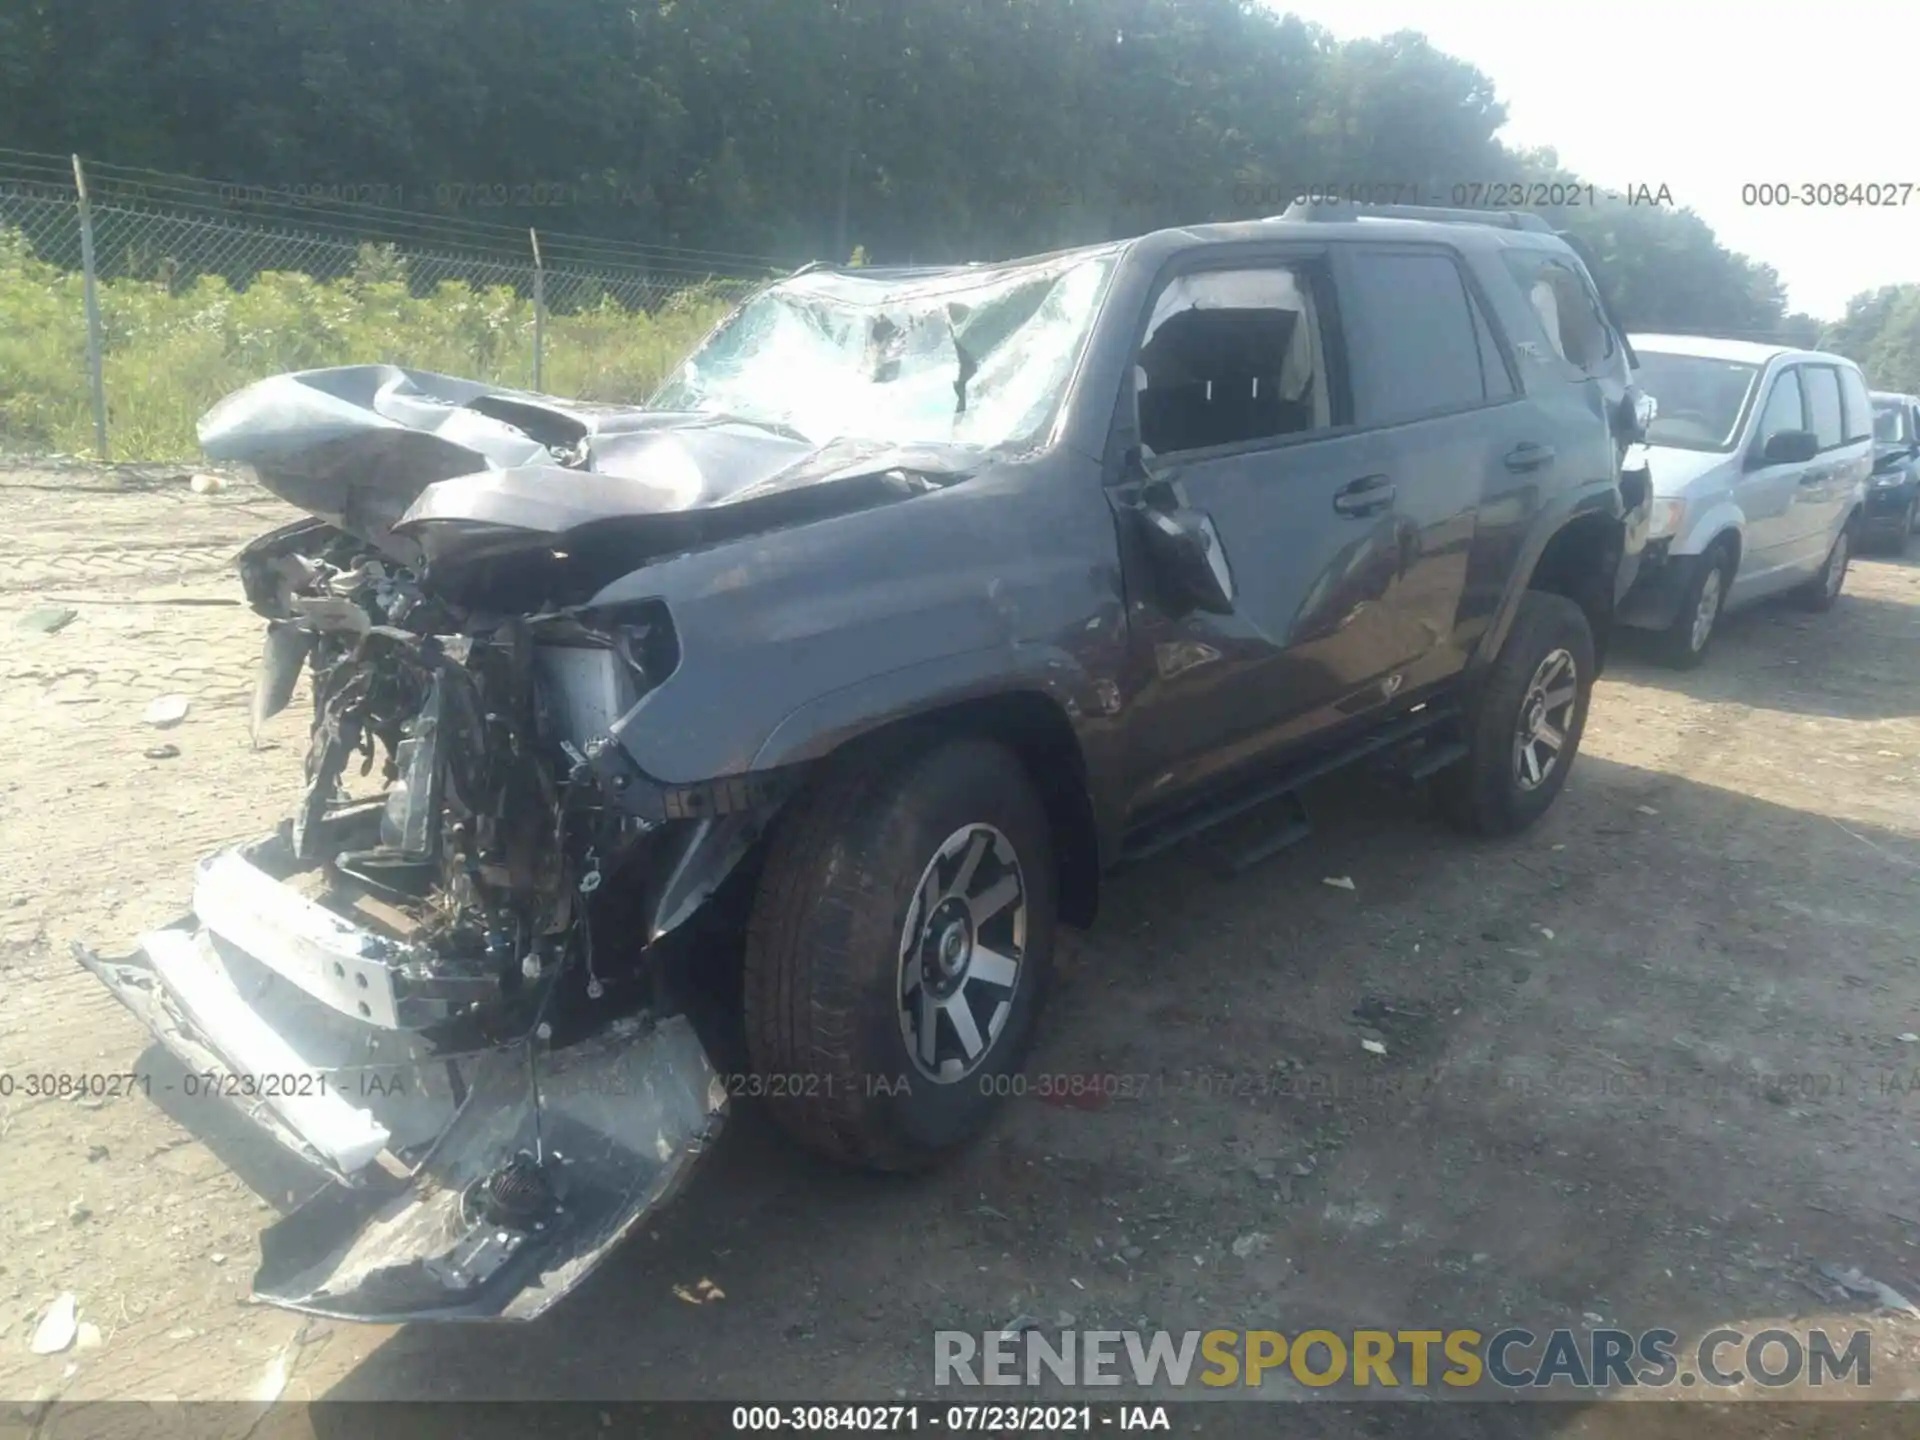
(170,352)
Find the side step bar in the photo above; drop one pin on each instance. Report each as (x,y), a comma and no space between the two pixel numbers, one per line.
(1284,785)
(1295,826)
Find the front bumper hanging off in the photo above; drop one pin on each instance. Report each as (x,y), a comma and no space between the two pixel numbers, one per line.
(479,1182)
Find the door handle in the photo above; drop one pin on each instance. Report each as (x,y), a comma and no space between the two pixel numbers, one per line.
(1365,495)
(1529,455)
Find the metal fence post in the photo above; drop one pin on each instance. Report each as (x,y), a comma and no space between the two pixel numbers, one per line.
(539,305)
(95,380)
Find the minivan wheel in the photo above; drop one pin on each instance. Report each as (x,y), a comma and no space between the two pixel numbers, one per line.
(898,950)
(1524,730)
(1823,589)
(1683,644)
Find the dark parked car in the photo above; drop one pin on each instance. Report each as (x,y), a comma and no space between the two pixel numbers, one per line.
(914,602)
(1892,510)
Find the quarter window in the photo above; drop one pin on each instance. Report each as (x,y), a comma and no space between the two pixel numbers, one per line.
(1569,312)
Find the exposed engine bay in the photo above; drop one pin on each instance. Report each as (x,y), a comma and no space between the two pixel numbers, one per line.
(403,982)
(492,833)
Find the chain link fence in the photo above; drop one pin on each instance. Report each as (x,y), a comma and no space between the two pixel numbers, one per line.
(134,300)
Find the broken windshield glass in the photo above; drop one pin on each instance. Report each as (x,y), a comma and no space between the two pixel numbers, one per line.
(980,356)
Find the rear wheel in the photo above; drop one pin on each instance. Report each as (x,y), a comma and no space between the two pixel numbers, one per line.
(898,951)
(1524,730)
(1683,644)
(1823,590)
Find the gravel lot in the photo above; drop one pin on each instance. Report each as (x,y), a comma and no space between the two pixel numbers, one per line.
(1643,1064)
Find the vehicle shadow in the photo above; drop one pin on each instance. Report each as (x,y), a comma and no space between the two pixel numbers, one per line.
(1499,1191)
(1774,657)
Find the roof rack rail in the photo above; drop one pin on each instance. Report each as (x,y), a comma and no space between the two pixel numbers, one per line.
(1505,219)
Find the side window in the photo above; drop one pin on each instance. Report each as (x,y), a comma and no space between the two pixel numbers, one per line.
(1232,356)
(1859,404)
(1784,410)
(1568,310)
(1412,337)
(1824,418)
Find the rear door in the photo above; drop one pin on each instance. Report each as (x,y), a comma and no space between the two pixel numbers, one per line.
(1853,466)
(1827,482)
(1445,417)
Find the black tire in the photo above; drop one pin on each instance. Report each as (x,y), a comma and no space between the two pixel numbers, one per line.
(1485,794)
(824,968)
(1681,646)
(1823,590)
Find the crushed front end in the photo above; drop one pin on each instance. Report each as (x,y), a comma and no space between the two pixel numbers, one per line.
(437,982)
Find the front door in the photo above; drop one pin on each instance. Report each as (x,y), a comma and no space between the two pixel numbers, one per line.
(1768,494)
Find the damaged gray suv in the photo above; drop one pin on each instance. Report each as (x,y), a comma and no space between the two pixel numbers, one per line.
(914,602)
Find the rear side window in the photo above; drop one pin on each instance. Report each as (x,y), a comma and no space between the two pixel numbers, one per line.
(1824,414)
(1412,337)
(1858,416)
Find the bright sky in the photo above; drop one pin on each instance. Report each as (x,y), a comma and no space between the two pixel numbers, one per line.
(1705,96)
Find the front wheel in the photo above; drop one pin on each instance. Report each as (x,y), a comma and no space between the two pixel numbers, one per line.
(1823,590)
(1683,644)
(898,950)
(1524,730)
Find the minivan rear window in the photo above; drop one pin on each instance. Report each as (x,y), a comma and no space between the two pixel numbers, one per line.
(1700,402)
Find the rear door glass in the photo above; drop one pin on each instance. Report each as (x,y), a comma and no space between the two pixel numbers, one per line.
(1413,337)
(1825,416)
(1859,404)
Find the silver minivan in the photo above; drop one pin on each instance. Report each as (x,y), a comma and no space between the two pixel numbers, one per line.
(1759,456)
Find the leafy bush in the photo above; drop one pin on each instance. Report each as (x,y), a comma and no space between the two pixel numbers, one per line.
(170,352)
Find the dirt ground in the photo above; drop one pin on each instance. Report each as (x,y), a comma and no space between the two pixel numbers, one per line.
(1653,1063)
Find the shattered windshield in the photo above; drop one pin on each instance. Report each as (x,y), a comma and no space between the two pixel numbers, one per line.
(974,357)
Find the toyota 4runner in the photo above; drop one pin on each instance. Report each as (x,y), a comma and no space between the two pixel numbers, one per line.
(914,602)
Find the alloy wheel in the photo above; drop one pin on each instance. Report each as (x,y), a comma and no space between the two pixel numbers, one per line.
(1546,719)
(961,953)
(1837,566)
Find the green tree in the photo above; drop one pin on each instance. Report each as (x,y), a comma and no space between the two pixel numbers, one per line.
(920,130)
(1880,332)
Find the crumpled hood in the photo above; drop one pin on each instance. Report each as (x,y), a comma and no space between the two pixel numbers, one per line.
(392,455)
